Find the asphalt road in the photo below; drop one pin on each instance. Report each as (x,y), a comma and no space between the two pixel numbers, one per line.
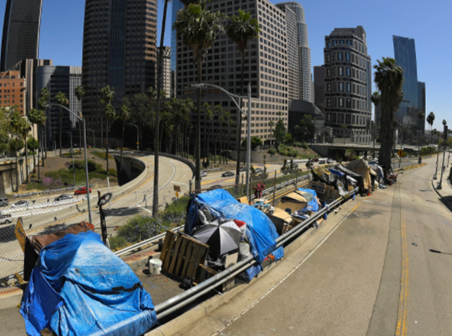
(374,275)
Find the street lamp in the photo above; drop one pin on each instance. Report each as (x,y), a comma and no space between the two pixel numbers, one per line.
(72,153)
(86,159)
(138,135)
(247,114)
(94,138)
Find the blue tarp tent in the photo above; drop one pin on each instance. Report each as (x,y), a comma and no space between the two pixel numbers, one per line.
(313,205)
(80,287)
(260,230)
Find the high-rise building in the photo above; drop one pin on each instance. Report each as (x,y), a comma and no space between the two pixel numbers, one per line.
(319,87)
(265,68)
(405,56)
(348,84)
(304,52)
(21,27)
(28,70)
(422,104)
(176,6)
(11,90)
(119,49)
(59,79)
(166,73)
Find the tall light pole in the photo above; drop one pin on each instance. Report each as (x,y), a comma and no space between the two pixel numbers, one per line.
(444,155)
(86,159)
(138,135)
(72,153)
(247,114)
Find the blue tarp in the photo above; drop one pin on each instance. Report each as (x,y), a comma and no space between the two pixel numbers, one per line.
(313,205)
(261,232)
(80,287)
(337,172)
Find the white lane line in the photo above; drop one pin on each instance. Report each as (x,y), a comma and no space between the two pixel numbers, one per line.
(285,278)
(145,209)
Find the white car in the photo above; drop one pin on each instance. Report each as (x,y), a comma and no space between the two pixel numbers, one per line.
(20,204)
(203,174)
(5,219)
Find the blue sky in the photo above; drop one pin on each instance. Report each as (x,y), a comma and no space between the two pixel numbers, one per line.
(427,22)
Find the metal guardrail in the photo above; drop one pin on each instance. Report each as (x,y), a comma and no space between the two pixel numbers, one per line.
(44,192)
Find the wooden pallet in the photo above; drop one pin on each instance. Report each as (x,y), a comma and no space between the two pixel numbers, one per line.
(181,255)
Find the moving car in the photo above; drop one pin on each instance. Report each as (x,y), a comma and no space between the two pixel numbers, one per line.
(63,197)
(20,204)
(259,170)
(5,219)
(203,174)
(242,169)
(227,174)
(330,161)
(4,202)
(322,162)
(217,186)
(82,191)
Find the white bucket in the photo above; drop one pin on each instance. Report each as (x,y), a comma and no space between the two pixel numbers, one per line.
(155,266)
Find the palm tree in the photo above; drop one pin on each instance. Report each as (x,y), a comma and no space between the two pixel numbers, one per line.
(124,115)
(42,103)
(24,130)
(33,117)
(430,120)
(15,124)
(107,95)
(421,116)
(198,30)
(241,29)
(389,80)
(209,116)
(79,93)
(62,100)
(40,119)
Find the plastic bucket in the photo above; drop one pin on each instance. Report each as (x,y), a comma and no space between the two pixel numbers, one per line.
(155,266)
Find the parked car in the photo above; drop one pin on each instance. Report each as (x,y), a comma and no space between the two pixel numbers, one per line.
(227,174)
(242,169)
(259,170)
(203,174)
(5,219)
(217,186)
(20,204)
(315,160)
(82,191)
(63,197)
(330,161)
(4,202)
(322,162)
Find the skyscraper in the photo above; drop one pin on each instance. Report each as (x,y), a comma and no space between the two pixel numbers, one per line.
(176,6)
(348,84)
(319,87)
(422,104)
(304,52)
(265,68)
(166,73)
(119,49)
(405,56)
(21,26)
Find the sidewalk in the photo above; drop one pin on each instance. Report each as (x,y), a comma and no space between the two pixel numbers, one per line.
(445,193)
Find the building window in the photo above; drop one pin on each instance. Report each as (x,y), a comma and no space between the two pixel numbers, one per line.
(340,56)
(347,56)
(341,102)
(341,42)
(348,103)
(333,117)
(329,44)
(328,87)
(328,102)
(328,58)
(348,119)
(341,71)
(349,87)
(334,42)
(348,72)
(333,56)
(341,87)
(349,42)
(328,73)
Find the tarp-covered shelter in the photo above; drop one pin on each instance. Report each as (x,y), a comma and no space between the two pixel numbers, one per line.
(352,174)
(324,174)
(293,201)
(313,204)
(80,287)
(362,168)
(260,230)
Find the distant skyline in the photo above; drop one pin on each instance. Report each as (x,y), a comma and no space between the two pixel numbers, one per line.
(62,36)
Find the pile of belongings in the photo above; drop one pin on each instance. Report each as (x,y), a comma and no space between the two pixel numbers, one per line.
(351,176)
(362,168)
(220,207)
(80,287)
(336,179)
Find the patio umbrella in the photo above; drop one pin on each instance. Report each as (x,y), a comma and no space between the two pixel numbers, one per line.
(221,237)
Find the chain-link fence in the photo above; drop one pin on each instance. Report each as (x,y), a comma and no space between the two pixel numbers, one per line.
(129,212)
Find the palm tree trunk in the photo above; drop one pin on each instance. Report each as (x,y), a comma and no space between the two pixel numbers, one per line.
(198,133)
(34,154)
(80,138)
(45,144)
(239,130)
(17,174)
(39,170)
(386,133)
(61,131)
(108,145)
(122,142)
(26,161)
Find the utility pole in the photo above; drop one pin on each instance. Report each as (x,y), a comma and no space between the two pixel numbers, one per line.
(439,187)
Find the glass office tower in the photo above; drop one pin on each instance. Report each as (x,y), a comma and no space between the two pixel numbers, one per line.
(176,6)
(405,56)
(21,27)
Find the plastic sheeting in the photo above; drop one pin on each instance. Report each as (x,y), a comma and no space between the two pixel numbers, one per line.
(313,205)
(261,232)
(80,287)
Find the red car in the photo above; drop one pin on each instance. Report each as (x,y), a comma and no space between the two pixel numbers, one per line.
(82,191)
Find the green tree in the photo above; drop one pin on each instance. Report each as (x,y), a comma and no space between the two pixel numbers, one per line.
(375,99)
(42,105)
(255,142)
(24,131)
(124,115)
(289,139)
(107,95)
(198,29)
(241,29)
(389,81)
(79,92)
(430,120)
(39,118)
(62,100)
(280,132)
(4,130)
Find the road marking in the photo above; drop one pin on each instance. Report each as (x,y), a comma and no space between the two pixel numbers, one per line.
(142,207)
(402,325)
(218,332)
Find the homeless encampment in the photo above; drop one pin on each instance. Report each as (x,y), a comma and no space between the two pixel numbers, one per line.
(338,181)
(260,231)
(362,168)
(352,174)
(80,287)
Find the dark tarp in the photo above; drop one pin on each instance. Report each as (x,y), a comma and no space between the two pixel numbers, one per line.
(324,175)
(80,287)
(348,172)
(261,232)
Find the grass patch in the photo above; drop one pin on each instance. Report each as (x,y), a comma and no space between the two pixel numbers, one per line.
(102,155)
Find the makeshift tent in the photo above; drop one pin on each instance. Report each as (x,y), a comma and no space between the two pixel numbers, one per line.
(362,168)
(314,204)
(323,174)
(260,231)
(293,201)
(352,174)
(280,219)
(80,287)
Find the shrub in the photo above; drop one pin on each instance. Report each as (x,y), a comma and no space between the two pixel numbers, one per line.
(117,242)
(272,151)
(304,145)
(283,152)
(282,148)
(297,144)
(92,166)
(140,228)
